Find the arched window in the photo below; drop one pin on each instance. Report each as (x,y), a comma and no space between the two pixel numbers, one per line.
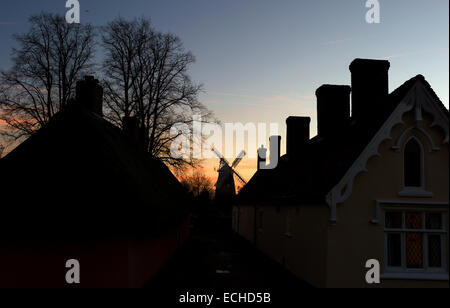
(413,166)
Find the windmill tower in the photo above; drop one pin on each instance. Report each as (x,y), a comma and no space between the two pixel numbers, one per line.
(225,186)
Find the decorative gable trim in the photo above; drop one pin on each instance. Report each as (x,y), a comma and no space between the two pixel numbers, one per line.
(419,99)
(422,132)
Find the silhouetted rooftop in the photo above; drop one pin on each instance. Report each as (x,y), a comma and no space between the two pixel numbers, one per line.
(81,176)
(323,160)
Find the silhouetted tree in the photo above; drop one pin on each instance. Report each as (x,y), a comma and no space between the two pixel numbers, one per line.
(146,76)
(197,183)
(48,61)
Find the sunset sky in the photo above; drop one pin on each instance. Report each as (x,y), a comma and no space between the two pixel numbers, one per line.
(261,61)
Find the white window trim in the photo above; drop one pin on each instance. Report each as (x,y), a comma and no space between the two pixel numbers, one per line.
(415,276)
(404,204)
(397,147)
(413,191)
(427,273)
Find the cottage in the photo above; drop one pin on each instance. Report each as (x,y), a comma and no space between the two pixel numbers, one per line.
(373,184)
(81,188)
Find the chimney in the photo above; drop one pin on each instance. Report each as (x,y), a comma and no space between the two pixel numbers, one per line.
(370,86)
(90,94)
(297,134)
(131,129)
(333,108)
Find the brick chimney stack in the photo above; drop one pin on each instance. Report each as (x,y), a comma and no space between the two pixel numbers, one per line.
(89,93)
(298,134)
(370,86)
(133,131)
(333,109)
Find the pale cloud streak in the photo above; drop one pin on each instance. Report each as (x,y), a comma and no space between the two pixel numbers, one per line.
(348,39)
(401,55)
(413,53)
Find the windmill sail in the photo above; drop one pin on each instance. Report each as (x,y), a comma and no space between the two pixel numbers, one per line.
(225,185)
(238,159)
(239,177)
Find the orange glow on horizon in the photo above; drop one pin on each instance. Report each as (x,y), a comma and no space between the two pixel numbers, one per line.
(208,168)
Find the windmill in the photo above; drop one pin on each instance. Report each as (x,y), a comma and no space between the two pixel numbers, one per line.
(225,186)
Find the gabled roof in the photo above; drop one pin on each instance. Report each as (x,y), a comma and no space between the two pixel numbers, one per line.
(324,161)
(80,175)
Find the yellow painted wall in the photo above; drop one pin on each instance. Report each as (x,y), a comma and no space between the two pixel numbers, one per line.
(327,255)
(270,238)
(303,251)
(354,239)
(245,221)
(306,251)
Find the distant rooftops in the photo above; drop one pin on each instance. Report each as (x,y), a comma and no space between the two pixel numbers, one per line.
(313,166)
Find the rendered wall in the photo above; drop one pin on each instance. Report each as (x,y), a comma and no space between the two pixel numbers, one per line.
(303,250)
(354,239)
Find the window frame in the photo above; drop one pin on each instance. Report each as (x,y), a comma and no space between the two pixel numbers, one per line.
(414,191)
(427,272)
(422,164)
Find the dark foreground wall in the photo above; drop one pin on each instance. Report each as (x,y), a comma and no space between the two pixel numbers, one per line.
(118,263)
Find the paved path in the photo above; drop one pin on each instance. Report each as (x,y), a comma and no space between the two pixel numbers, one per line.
(220,261)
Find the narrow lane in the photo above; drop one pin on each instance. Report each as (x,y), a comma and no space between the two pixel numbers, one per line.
(215,260)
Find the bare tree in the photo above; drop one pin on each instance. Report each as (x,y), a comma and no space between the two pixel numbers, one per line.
(50,58)
(146,76)
(197,183)
(124,81)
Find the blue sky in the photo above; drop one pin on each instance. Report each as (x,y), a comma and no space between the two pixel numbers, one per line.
(260,60)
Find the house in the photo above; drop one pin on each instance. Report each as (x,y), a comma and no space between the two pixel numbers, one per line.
(373,185)
(81,188)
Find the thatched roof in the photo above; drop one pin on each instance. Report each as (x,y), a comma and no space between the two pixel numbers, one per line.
(81,176)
